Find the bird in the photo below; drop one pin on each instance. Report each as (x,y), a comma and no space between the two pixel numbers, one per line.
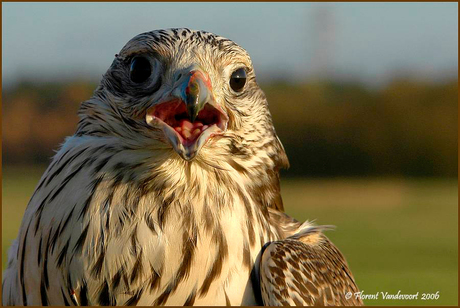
(168,193)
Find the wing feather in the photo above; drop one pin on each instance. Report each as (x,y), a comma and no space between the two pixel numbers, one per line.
(305,270)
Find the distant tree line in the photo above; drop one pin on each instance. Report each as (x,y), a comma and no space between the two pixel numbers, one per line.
(407,128)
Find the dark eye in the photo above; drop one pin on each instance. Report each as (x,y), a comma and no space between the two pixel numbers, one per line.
(140,69)
(238,80)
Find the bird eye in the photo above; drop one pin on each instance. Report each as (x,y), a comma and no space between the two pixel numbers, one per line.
(140,69)
(238,80)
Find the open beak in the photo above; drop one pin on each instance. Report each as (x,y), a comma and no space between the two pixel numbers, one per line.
(190,116)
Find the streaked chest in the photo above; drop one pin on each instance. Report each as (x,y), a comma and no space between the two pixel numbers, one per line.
(176,248)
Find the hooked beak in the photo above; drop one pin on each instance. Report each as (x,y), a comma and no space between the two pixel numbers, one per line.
(196,91)
(190,116)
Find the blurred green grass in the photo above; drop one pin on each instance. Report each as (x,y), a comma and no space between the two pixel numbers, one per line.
(397,234)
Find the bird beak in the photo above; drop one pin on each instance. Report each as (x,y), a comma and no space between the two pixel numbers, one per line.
(190,116)
(195,91)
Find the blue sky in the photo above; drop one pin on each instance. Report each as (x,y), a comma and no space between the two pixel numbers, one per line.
(366,41)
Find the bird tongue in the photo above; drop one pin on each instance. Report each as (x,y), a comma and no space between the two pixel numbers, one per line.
(190,131)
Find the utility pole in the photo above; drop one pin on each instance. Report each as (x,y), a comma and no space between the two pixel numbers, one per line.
(322,27)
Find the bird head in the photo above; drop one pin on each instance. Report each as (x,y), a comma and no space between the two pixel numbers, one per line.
(190,91)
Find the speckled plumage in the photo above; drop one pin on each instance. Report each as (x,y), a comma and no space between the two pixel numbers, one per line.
(120,218)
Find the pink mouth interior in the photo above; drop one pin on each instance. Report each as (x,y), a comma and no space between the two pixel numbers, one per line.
(174,114)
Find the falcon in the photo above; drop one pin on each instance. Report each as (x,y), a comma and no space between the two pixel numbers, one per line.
(168,193)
